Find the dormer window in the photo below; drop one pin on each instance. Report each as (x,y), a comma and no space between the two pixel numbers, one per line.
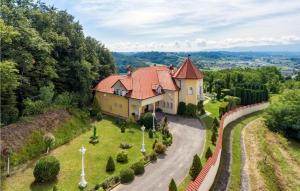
(190,91)
(158,90)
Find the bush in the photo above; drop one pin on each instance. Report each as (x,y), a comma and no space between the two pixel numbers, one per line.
(181,108)
(200,108)
(110,165)
(147,120)
(109,182)
(123,129)
(34,107)
(168,139)
(232,101)
(127,175)
(95,108)
(172,185)
(153,156)
(120,122)
(208,153)
(122,157)
(154,143)
(46,169)
(138,168)
(150,134)
(49,141)
(67,100)
(47,93)
(214,137)
(99,116)
(160,148)
(125,146)
(196,167)
(191,110)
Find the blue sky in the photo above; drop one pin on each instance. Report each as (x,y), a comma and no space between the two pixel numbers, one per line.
(186,25)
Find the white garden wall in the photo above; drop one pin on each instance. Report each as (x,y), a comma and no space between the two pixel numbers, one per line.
(207,175)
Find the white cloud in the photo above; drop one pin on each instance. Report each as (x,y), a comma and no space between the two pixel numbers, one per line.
(188,25)
(202,44)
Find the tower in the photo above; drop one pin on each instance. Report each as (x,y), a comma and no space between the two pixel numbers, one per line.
(190,81)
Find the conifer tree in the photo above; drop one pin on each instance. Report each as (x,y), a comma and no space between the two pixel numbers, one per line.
(208,153)
(110,166)
(196,167)
(172,185)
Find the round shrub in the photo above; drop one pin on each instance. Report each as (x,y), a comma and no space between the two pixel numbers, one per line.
(99,116)
(160,148)
(122,129)
(46,169)
(122,157)
(138,168)
(153,156)
(147,120)
(125,146)
(126,175)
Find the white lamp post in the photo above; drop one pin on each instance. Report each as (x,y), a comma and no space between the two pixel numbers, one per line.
(153,128)
(82,183)
(143,141)
(153,115)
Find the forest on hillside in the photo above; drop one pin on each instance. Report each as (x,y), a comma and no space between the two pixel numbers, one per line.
(46,58)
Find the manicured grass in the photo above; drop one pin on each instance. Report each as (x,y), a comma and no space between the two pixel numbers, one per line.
(236,169)
(96,157)
(213,107)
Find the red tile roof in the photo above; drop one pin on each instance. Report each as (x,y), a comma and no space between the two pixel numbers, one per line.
(188,71)
(141,82)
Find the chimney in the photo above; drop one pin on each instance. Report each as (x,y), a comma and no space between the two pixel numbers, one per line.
(171,68)
(129,70)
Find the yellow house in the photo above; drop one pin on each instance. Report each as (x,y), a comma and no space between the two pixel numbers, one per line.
(150,88)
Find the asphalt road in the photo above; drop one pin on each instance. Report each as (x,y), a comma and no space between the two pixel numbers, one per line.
(188,139)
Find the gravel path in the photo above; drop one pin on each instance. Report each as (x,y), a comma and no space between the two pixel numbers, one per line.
(188,139)
(245,180)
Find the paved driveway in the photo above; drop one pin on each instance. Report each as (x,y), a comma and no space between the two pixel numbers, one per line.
(188,139)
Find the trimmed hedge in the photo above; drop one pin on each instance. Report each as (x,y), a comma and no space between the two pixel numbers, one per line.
(46,169)
(126,175)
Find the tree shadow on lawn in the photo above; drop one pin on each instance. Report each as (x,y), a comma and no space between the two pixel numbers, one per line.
(35,186)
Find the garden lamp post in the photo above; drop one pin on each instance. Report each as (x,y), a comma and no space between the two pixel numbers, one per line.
(153,115)
(143,141)
(82,183)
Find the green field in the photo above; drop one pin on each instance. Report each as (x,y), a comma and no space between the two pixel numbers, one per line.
(96,157)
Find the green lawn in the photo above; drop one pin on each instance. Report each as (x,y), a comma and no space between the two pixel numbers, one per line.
(95,159)
(213,107)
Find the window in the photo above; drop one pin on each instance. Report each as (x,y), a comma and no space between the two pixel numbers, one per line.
(171,105)
(167,105)
(190,91)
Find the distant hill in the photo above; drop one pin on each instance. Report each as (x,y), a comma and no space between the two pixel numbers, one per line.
(207,59)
